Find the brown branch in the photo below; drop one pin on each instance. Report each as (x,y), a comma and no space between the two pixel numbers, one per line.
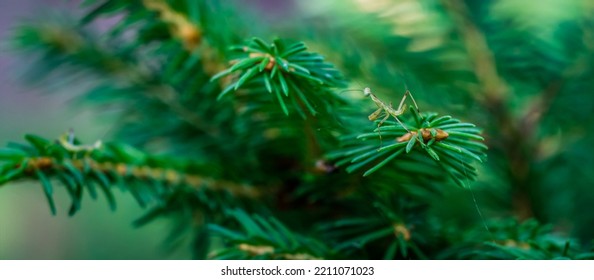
(478,50)
(189,33)
(514,140)
(531,119)
(143,172)
(256,250)
(180,26)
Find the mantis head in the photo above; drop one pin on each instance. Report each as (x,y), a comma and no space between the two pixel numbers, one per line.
(367,91)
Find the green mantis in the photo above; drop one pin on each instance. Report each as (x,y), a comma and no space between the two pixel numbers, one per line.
(388,110)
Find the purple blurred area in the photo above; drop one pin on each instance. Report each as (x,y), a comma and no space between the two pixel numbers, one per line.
(21,107)
(27,229)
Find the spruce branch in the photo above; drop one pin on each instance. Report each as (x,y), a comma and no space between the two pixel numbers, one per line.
(266,238)
(147,177)
(285,71)
(528,240)
(451,144)
(357,233)
(187,22)
(67,45)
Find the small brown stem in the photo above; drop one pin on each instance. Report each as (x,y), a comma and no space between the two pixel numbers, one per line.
(146,173)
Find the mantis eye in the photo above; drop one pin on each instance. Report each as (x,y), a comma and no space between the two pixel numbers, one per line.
(367,91)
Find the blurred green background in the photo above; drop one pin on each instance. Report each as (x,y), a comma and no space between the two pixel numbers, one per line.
(33,233)
(536,46)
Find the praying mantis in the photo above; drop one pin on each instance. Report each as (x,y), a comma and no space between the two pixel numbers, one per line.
(388,110)
(425,133)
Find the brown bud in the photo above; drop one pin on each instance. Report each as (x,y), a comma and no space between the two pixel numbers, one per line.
(190,35)
(323,166)
(401,230)
(426,133)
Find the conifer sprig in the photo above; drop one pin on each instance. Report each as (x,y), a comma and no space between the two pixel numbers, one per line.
(148,178)
(266,238)
(286,71)
(453,145)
